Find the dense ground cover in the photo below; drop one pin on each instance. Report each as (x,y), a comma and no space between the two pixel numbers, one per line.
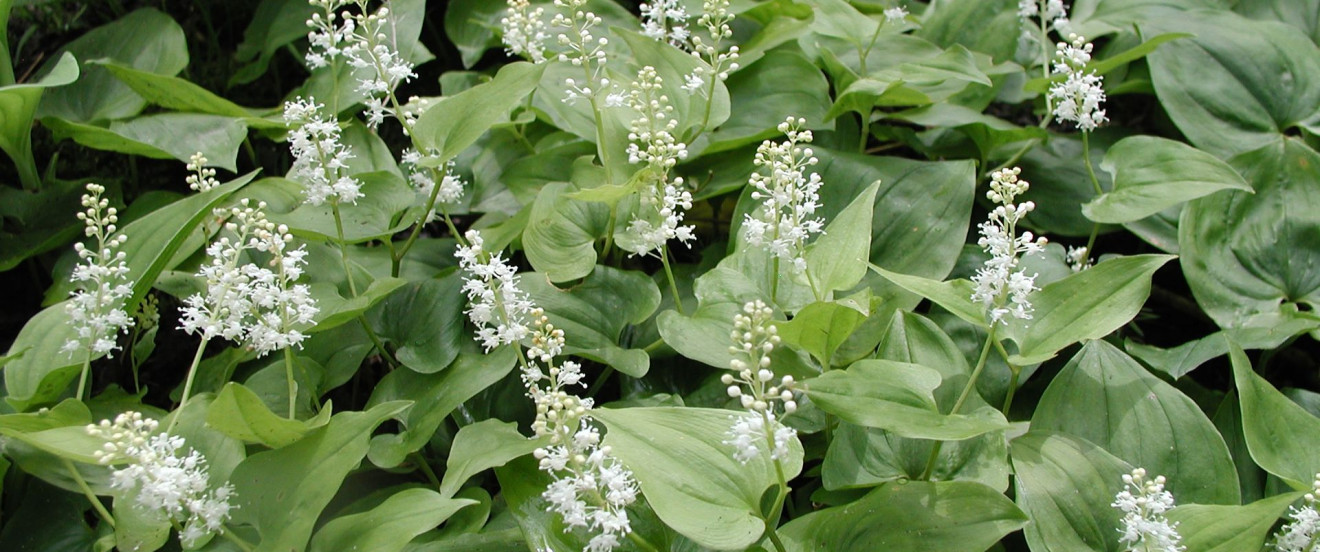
(677,275)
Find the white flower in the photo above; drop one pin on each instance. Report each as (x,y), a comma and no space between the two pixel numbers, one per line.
(367,41)
(582,48)
(1078,98)
(244,302)
(895,14)
(1000,286)
(423,181)
(784,221)
(524,30)
(1144,503)
(1078,258)
(715,19)
(663,204)
(496,305)
(1301,533)
(96,308)
(320,159)
(170,480)
(665,20)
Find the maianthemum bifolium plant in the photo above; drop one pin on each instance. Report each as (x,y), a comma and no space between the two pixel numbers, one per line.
(680,275)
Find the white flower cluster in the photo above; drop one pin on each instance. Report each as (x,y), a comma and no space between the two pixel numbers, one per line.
(1302,533)
(1078,258)
(1079,96)
(1000,279)
(754,338)
(96,309)
(244,302)
(895,14)
(785,219)
(665,20)
(1144,503)
(1052,13)
(367,41)
(663,204)
(423,181)
(583,48)
(524,30)
(320,159)
(202,178)
(499,309)
(715,18)
(168,481)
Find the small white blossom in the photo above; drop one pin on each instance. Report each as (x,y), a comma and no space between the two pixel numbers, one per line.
(1302,532)
(1079,97)
(367,40)
(524,30)
(1078,258)
(496,305)
(423,181)
(1144,503)
(320,159)
(755,337)
(202,178)
(895,14)
(784,221)
(581,48)
(715,19)
(665,20)
(1000,286)
(663,204)
(96,308)
(171,480)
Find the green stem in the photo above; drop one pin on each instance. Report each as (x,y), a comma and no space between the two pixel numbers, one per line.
(1012,387)
(863,131)
(378,343)
(26,164)
(343,247)
(426,468)
(1090,241)
(654,346)
(772,521)
(673,286)
(188,383)
(1086,157)
(82,378)
(293,384)
(238,541)
(962,398)
(397,259)
(600,381)
(641,542)
(87,492)
(774,280)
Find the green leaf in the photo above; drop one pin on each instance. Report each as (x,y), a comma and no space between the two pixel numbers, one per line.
(138,528)
(941,74)
(1304,15)
(241,414)
(1065,485)
(593,314)
(456,122)
(275,24)
(19,103)
(561,232)
(162,136)
(390,526)
(837,260)
(337,309)
(1262,332)
(378,214)
(1105,397)
(424,320)
(434,396)
(1230,241)
(761,95)
(689,475)
(481,446)
(1207,528)
(281,492)
(146,39)
(821,328)
(954,295)
(674,65)
(1283,438)
(470,25)
(954,516)
(1239,84)
(896,397)
(183,95)
(1152,174)
(1087,305)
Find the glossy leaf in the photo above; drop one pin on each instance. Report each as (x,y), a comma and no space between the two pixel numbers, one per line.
(1207,528)
(454,123)
(1151,174)
(424,321)
(1106,398)
(761,95)
(955,516)
(837,260)
(1065,485)
(561,233)
(241,414)
(593,314)
(19,103)
(820,329)
(162,136)
(689,475)
(1283,438)
(391,525)
(481,446)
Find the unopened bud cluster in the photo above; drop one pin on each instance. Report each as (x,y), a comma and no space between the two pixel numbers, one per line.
(581,48)
(1000,285)
(756,387)
(202,178)
(260,306)
(168,479)
(97,309)
(788,194)
(715,18)
(1302,532)
(524,30)
(1143,503)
